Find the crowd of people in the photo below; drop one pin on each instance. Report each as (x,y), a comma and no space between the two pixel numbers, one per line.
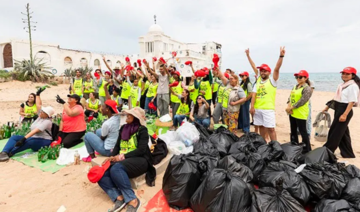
(211,97)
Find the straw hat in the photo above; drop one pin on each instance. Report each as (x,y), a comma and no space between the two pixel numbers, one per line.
(48,110)
(138,113)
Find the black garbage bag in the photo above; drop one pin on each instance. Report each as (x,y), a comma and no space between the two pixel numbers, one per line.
(330,205)
(181,179)
(208,160)
(203,144)
(349,171)
(255,163)
(324,180)
(319,155)
(292,152)
(292,181)
(271,151)
(242,146)
(275,199)
(351,193)
(221,191)
(229,163)
(253,138)
(222,139)
(202,130)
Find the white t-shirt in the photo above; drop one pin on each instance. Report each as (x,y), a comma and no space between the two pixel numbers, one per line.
(350,94)
(273,82)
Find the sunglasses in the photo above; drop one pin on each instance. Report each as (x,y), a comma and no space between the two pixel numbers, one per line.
(299,77)
(199,98)
(343,73)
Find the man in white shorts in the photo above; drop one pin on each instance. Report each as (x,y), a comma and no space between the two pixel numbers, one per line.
(263,101)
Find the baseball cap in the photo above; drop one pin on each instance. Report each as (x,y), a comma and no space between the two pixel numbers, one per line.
(264,67)
(48,110)
(112,104)
(302,73)
(349,70)
(177,73)
(97,172)
(245,73)
(227,75)
(74,96)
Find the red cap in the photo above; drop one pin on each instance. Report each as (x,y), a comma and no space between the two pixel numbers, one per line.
(144,61)
(245,73)
(264,67)
(349,70)
(152,106)
(97,172)
(127,59)
(154,59)
(162,60)
(302,73)
(139,62)
(177,73)
(97,75)
(188,62)
(108,73)
(216,56)
(129,68)
(200,73)
(174,54)
(227,75)
(112,104)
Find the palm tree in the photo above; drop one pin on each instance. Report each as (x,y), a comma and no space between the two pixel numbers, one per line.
(35,69)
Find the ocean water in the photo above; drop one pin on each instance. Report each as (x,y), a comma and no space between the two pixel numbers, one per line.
(323,81)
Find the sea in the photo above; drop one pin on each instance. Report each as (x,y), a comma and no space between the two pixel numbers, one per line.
(322,81)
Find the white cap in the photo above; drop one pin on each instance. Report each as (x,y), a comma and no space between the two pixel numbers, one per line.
(48,110)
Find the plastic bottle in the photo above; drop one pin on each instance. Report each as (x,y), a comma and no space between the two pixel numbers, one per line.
(76,158)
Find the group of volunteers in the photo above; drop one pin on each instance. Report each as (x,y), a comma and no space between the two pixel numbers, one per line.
(210,96)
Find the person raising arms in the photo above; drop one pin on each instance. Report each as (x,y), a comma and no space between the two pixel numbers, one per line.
(244,115)
(263,101)
(88,86)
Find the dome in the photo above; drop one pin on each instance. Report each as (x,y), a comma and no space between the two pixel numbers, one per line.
(155,29)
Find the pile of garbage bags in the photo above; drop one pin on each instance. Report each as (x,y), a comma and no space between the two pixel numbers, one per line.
(227,173)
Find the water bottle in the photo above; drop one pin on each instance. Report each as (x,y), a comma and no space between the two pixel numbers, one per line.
(76,158)
(188,142)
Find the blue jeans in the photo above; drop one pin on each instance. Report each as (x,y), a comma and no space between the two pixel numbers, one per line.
(116,182)
(31,143)
(178,119)
(244,117)
(204,122)
(147,101)
(308,122)
(93,143)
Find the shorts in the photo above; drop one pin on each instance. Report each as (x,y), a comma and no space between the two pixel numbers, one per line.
(265,118)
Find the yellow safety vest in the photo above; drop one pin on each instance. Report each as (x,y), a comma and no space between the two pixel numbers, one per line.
(78,86)
(152,90)
(225,100)
(86,84)
(116,99)
(94,106)
(178,90)
(128,146)
(183,109)
(146,86)
(300,112)
(221,93)
(265,95)
(171,80)
(193,94)
(216,86)
(102,89)
(32,110)
(246,91)
(205,86)
(134,95)
(125,92)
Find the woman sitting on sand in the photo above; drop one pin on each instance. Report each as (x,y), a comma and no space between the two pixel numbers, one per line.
(131,158)
(39,136)
(29,109)
(183,110)
(92,106)
(199,112)
(72,126)
(103,141)
(346,97)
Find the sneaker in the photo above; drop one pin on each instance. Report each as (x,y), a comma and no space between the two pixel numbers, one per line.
(131,208)
(96,153)
(87,159)
(4,156)
(119,205)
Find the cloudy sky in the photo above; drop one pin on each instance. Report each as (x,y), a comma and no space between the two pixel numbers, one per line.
(319,35)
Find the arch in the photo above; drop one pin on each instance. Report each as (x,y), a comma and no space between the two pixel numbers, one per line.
(7,56)
(68,62)
(96,62)
(83,62)
(44,56)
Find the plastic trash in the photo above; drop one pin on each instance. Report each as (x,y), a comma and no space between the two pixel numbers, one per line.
(165,118)
(221,191)
(188,134)
(66,156)
(271,151)
(292,152)
(351,193)
(254,138)
(242,146)
(319,155)
(255,162)
(229,163)
(169,136)
(202,130)
(203,144)
(349,171)
(181,179)
(208,160)
(268,199)
(292,181)
(176,147)
(330,205)
(222,139)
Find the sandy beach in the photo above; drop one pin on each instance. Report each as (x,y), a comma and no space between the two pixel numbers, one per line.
(28,189)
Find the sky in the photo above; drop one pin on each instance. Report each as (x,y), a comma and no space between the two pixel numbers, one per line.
(318,35)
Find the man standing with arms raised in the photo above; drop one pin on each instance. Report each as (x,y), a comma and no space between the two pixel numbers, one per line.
(162,90)
(263,101)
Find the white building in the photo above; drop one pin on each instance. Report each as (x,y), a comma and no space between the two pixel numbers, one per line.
(154,44)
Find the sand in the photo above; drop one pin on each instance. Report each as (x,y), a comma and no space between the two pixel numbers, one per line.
(28,189)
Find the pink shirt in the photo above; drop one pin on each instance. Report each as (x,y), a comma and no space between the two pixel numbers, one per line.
(75,123)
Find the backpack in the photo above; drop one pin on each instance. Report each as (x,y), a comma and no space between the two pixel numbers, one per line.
(54,132)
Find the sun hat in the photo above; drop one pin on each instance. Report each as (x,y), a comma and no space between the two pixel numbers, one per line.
(138,113)
(97,172)
(74,96)
(264,67)
(245,73)
(349,70)
(112,104)
(302,73)
(48,110)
